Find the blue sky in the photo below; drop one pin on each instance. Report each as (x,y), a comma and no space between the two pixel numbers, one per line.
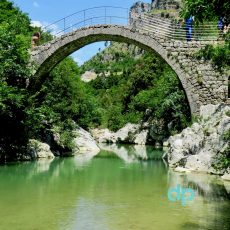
(47,11)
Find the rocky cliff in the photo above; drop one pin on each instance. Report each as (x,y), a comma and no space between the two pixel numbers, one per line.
(205,145)
(144,133)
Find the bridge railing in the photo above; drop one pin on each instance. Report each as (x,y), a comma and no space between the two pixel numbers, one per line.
(145,23)
(167,28)
(88,17)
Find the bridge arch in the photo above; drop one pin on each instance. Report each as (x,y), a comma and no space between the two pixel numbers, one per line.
(47,56)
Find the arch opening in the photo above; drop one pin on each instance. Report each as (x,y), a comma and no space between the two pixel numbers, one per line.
(49,55)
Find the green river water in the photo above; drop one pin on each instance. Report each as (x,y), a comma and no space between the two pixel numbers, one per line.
(109,193)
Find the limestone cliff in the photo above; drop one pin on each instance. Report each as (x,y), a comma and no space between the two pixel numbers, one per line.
(204,145)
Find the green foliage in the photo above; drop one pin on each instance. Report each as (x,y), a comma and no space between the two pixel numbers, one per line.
(206,10)
(222,160)
(134,85)
(62,100)
(15,17)
(219,55)
(66,136)
(14,74)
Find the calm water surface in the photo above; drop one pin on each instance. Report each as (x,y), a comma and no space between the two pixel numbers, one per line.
(108,193)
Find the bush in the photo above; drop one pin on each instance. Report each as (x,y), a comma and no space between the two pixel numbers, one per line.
(219,55)
(222,161)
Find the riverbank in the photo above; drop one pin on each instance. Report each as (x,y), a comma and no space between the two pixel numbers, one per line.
(203,147)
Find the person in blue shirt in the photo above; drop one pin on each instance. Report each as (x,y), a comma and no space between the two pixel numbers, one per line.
(220,26)
(188,27)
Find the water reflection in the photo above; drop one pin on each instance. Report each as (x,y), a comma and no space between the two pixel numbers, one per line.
(83,160)
(211,198)
(210,187)
(107,193)
(89,215)
(132,153)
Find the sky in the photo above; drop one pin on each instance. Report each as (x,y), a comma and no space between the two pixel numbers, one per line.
(45,12)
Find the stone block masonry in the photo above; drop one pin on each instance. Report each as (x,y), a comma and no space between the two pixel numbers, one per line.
(202,83)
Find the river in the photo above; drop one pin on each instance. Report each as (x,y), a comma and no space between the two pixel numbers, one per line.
(108,192)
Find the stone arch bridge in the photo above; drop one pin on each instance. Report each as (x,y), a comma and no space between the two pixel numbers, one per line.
(201,82)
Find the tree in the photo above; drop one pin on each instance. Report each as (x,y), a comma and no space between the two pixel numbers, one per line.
(206,9)
(14,72)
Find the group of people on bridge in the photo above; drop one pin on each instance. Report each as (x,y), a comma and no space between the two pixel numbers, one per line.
(222,25)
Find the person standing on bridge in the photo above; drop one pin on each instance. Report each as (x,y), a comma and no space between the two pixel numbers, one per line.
(220,26)
(188,28)
(35,39)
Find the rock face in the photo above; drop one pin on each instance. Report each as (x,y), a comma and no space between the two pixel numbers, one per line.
(140,7)
(130,133)
(226,176)
(84,142)
(38,150)
(198,146)
(139,134)
(88,76)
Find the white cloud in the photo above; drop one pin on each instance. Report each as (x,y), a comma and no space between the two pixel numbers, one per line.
(78,60)
(46,26)
(35,4)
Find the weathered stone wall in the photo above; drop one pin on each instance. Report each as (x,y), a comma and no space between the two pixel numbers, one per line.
(202,84)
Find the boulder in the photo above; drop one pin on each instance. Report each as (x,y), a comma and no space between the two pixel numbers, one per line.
(140,138)
(84,142)
(127,133)
(207,111)
(104,136)
(130,133)
(37,150)
(197,147)
(226,176)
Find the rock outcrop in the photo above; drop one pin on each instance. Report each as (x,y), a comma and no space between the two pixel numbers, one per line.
(130,133)
(84,142)
(139,134)
(88,76)
(226,176)
(198,147)
(39,150)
